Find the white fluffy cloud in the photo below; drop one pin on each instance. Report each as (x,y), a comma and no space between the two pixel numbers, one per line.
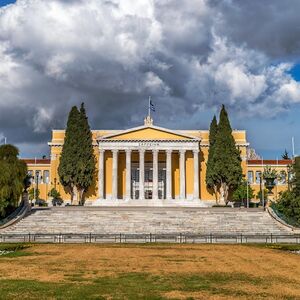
(113,54)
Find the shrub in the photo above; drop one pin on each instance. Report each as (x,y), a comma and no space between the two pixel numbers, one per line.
(33,193)
(54,193)
(289,206)
(57,201)
(41,203)
(240,194)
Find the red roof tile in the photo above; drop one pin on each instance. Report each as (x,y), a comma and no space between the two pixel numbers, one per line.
(33,161)
(269,162)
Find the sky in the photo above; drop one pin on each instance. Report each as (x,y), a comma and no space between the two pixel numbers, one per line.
(191,56)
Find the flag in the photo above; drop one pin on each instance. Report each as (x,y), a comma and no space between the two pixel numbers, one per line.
(152,107)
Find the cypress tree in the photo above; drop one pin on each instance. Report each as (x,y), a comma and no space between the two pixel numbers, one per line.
(67,169)
(227,160)
(86,161)
(211,176)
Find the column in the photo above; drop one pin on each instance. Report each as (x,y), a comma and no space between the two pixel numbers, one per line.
(115,175)
(128,174)
(155,174)
(101,174)
(169,174)
(142,174)
(196,174)
(182,173)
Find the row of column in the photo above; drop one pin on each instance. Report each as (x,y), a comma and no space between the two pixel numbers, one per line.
(142,174)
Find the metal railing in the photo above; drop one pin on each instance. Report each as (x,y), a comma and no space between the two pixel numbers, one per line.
(180,238)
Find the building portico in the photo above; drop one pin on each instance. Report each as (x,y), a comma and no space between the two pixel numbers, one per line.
(157,184)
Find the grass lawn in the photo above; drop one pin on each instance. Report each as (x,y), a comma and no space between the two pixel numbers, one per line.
(152,271)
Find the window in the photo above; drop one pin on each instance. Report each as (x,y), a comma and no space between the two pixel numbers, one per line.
(250,176)
(257,177)
(282,177)
(46,178)
(30,173)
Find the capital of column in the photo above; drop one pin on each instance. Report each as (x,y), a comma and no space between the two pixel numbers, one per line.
(115,150)
(142,150)
(169,151)
(101,151)
(182,151)
(196,151)
(128,151)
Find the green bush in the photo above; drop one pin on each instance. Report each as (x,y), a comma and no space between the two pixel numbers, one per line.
(262,193)
(240,194)
(33,195)
(288,206)
(41,203)
(54,194)
(12,174)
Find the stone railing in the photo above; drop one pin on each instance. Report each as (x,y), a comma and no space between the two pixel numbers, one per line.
(282,222)
(18,214)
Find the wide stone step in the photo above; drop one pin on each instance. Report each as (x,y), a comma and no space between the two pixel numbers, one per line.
(147,220)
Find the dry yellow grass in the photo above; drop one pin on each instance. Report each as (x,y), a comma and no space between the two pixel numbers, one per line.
(226,271)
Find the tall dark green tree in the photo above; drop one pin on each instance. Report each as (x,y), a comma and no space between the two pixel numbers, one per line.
(226,158)
(12,174)
(77,163)
(67,169)
(86,162)
(211,175)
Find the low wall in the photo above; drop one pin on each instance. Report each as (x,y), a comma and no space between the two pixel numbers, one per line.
(282,222)
(19,213)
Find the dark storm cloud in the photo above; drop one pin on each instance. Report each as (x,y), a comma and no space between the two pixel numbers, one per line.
(271,26)
(189,55)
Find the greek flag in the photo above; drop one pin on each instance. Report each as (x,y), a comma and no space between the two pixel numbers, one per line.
(152,107)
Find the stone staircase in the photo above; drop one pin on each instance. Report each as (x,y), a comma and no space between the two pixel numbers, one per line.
(147,220)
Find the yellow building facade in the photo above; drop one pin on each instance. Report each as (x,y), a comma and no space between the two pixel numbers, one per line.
(256,167)
(145,164)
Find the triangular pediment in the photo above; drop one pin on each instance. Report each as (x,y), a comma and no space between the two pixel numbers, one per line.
(148,133)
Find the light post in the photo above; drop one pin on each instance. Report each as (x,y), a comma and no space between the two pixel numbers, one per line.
(247,193)
(262,190)
(37,184)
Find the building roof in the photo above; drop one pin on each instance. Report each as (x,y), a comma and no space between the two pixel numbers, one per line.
(264,162)
(33,161)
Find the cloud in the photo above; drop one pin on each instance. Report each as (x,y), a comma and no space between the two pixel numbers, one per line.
(190,55)
(270,26)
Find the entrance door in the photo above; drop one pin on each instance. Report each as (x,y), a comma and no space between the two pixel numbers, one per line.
(162,175)
(148,181)
(135,182)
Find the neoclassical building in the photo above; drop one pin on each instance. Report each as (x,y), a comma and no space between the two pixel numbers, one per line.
(146,164)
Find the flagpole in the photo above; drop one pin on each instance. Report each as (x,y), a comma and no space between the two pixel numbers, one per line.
(149,109)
